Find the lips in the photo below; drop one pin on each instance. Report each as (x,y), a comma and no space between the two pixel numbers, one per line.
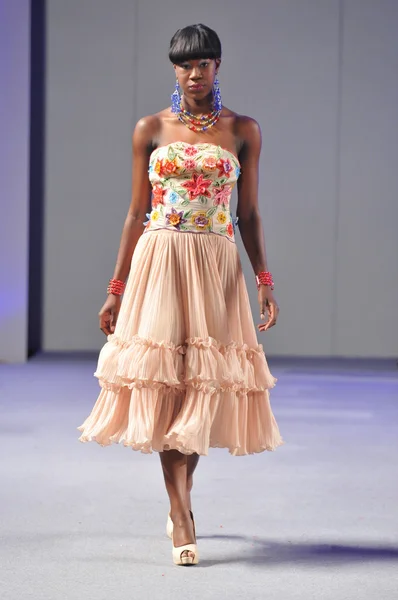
(197,87)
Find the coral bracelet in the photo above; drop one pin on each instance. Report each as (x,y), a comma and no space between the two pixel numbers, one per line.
(264,278)
(116,287)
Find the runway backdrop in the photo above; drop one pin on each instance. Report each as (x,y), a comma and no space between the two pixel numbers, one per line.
(14,177)
(320,76)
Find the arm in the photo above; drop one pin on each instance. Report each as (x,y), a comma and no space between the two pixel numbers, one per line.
(140,196)
(133,228)
(250,224)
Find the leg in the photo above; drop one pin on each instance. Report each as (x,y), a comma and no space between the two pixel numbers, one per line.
(192,462)
(174,465)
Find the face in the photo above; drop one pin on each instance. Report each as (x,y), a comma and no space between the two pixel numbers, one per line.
(196,77)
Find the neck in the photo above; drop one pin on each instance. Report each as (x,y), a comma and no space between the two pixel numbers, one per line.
(198,107)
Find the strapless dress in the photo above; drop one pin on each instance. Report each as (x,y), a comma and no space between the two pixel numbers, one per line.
(184,369)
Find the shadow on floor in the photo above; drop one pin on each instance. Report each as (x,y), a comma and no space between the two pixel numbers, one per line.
(257,551)
(252,551)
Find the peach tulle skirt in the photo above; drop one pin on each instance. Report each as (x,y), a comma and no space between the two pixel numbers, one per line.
(184,369)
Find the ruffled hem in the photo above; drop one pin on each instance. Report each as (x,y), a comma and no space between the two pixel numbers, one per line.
(204,364)
(147,447)
(157,396)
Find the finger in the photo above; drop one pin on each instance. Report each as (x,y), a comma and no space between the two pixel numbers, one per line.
(103,321)
(263,310)
(105,324)
(275,315)
(271,318)
(271,312)
(113,322)
(271,323)
(263,326)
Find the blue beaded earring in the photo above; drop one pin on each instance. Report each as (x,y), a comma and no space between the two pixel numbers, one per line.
(217,104)
(176,99)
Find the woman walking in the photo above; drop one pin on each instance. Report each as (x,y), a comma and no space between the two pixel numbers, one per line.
(182,369)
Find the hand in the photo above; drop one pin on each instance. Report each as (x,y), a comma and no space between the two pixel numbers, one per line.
(268,307)
(109,313)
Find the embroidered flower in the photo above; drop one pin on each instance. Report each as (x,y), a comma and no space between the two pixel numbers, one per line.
(224,167)
(210,163)
(230,230)
(158,166)
(237,172)
(150,169)
(191,150)
(200,220)
(222,217)
(197,186)
(155,215)
(173,197)
(234,221)
(166,167)
(147,223)
(157,195)
(170,167)
(175,218)
(222,195)
(189,164)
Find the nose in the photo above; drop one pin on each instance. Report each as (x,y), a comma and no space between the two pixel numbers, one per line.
(196,73)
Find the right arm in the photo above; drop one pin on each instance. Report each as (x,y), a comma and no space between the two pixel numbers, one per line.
(144,133)
(140,196)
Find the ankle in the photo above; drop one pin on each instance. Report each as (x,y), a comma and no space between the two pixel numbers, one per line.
(180,517)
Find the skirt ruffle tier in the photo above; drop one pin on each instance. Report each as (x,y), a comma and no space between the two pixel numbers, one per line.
(183,369)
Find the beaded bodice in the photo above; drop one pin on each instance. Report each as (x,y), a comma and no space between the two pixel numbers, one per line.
(191,188)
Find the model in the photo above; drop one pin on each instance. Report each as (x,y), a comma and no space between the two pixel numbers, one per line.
(182,369)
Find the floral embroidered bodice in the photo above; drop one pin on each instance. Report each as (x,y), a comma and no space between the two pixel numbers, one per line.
(191,188)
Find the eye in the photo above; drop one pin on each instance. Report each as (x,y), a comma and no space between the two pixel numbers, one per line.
(204,64)
(185,66)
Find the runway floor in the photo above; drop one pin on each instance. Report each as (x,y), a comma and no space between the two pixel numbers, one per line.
(316,519)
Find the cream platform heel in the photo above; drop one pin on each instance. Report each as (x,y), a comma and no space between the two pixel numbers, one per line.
(185,560)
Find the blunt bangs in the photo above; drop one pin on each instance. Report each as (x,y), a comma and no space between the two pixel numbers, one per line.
(193,42)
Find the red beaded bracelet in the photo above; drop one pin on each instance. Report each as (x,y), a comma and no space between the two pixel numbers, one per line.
(264,278)
(116,287)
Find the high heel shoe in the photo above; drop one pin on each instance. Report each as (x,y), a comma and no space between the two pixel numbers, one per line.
(169,526)
(185,560)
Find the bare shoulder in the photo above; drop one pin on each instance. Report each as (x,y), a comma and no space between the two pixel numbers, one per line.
(247,131)
(146,131)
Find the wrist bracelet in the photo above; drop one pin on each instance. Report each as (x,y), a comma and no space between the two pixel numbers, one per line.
(116,287)
(264,278)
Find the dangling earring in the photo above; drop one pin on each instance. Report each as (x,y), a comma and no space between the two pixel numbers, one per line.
(176,99)
(217,104)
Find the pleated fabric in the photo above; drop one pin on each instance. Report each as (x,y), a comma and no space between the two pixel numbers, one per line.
(184,369)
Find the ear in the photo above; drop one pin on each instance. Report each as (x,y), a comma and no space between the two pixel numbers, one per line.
(218,63)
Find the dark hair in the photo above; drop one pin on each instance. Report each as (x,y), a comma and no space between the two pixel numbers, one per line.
(193,42)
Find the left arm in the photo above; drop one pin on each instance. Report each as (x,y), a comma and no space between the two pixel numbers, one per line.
(250,224)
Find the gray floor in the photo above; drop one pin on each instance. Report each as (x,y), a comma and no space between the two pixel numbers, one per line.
(315,519)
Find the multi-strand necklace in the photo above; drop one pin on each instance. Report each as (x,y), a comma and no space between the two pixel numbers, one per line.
(198,123)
